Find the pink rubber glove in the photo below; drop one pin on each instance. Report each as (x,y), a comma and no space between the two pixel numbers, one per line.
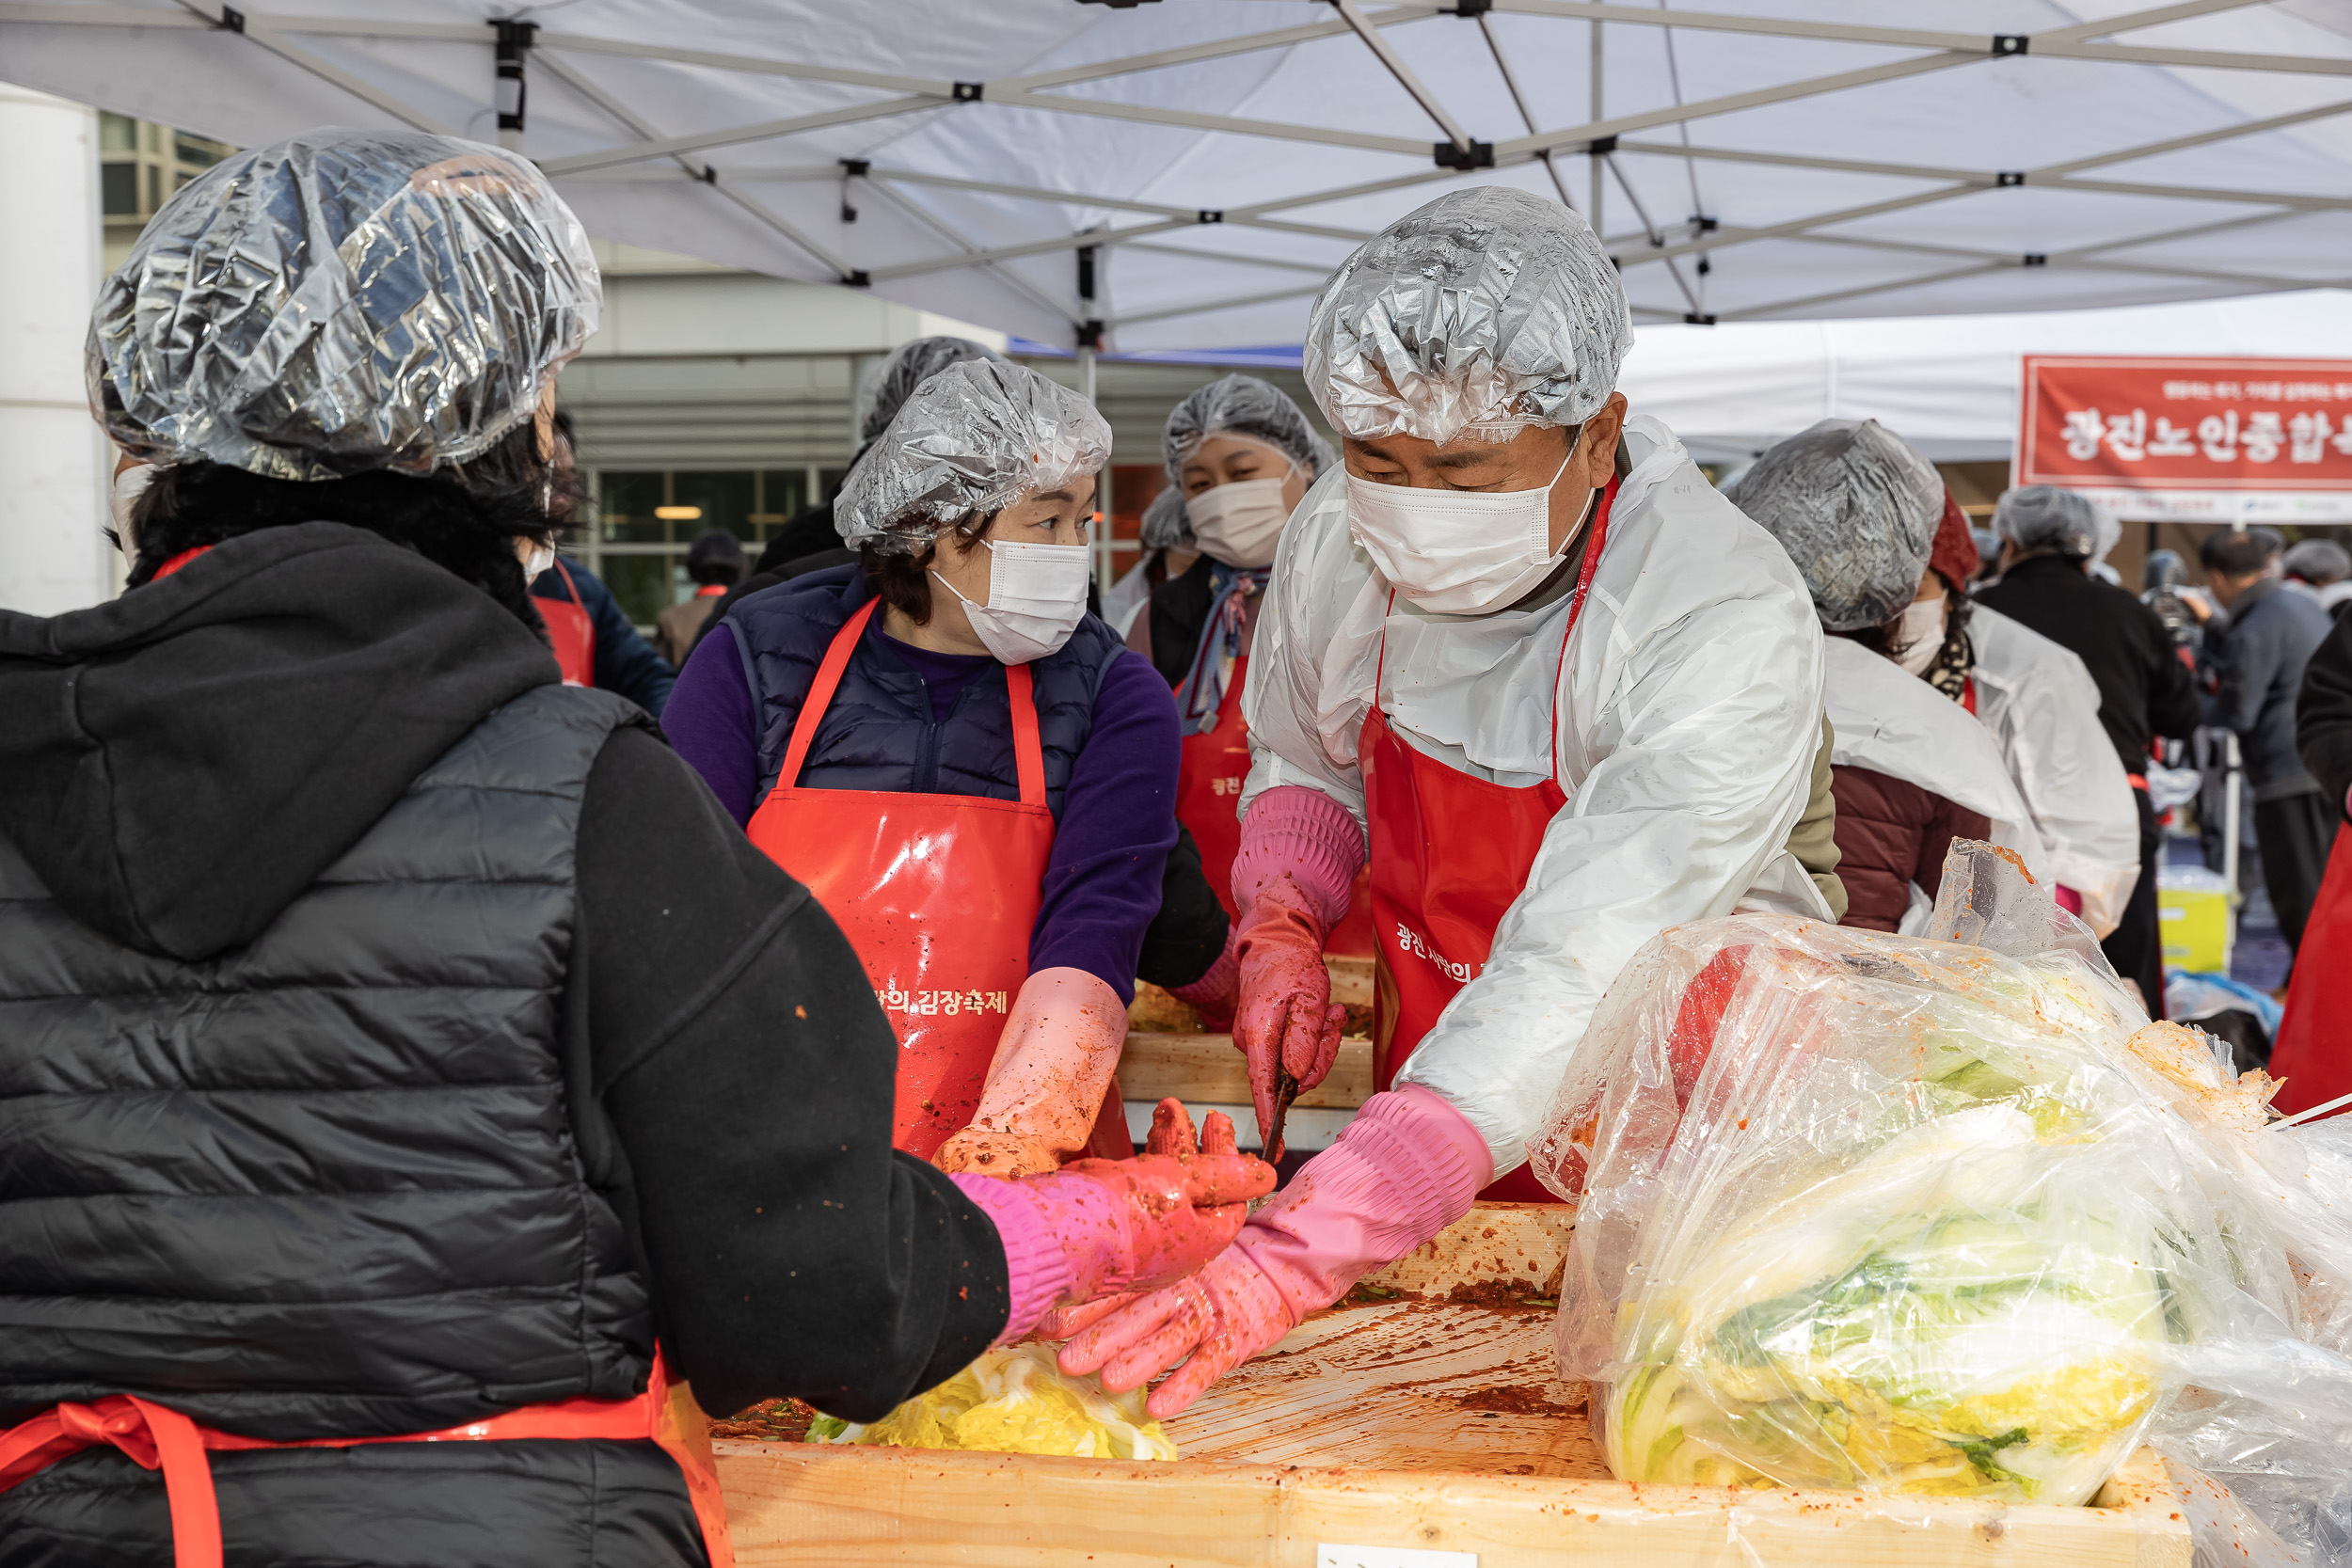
(1099,1226)
(2067,900)
(1299,853)
(1407,1167)
(1044,1089)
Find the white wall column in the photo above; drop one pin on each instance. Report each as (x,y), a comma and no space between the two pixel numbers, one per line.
(55,467)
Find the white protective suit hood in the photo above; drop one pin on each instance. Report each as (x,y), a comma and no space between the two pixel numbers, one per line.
(2041,707)
(1689,709)
(1891,721)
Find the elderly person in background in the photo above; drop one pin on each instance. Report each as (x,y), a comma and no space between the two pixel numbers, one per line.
(1569,696)
(968,768)
(1858,510)
(2322,568)
(2253,661)
(2048,537)
(714,564)
(410,1072)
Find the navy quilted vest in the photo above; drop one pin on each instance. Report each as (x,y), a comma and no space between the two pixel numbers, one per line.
(878,734)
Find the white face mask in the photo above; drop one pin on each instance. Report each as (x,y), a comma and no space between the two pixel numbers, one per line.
(1036,595)
(539,560)
(1239,523)
(129,485)
(1456,552)
(1922,626)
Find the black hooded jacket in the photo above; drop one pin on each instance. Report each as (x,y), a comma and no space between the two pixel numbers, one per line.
(181,768)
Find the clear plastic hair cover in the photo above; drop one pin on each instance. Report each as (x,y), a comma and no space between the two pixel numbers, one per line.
(1243,406)
(1487,310)
(2044,517)
(1945,1215)
(341,302)
(1857,509)
(1167,526)
(974,438)
(910,365)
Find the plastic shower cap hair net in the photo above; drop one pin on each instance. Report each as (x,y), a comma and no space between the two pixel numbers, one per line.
(1486,311)
(974,439)
(341,302)
(1167,526)
(2044,517)
(1243,406)
(910,365)
(1857,509)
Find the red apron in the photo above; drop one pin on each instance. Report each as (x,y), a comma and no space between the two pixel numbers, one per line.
(573,635)
(1208,793)
(160,1438)
(1449,853)
(937,893)
(2313,1051)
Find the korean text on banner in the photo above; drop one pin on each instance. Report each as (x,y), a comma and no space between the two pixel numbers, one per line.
(2192,440)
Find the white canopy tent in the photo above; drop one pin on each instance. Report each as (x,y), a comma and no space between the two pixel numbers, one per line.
(1948,385)
(1185,173)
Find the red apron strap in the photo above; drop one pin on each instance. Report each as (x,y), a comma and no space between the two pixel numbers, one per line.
(569,586)
(820,692)
(1576,607)
(1029,753)
(152,1437)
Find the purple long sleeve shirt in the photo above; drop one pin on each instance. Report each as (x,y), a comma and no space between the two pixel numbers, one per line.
(1118,822)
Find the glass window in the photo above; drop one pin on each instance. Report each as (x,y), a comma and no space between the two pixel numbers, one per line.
(200,151)
(646,585)
(780,496)
(118,189)
(154,188)
(626,502)
(118,132)
(715,499)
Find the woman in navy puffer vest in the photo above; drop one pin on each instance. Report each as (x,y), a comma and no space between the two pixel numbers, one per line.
(1001,939)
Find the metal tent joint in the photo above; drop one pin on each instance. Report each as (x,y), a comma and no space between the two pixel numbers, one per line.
(2005,44)
(1090,332)
(1211,215)
(1468,9)
(969,92)
(1479,154)
(1694,318)
(2009,177)
(860,278)
(232,19)
(515,40)
(2035,258)
(1600,147)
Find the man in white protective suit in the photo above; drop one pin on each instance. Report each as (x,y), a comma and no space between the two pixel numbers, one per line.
(1567,694)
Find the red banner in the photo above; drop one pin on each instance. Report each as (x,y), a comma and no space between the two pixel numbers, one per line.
(2212,440)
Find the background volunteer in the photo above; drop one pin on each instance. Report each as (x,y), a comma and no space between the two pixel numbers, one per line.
(594,644)
(1241,455)
(399,1039)
(714,564)
(969,516)
(1858,510)
(1648,770)
(2048,539)
(1169,551)
(2038,702)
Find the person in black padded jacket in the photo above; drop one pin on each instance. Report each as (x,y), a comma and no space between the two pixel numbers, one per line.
(393,1039)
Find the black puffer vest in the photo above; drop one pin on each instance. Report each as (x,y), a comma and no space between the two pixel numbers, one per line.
(325,1185)
(878,734)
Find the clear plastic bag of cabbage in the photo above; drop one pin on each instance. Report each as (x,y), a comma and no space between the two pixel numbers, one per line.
(1904,1214)
(1013,1401)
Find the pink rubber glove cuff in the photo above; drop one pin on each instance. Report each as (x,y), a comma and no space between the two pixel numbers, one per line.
(1304,834)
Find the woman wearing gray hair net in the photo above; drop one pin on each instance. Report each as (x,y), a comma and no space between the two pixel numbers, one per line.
(1568,694)
(1240,456)
(1857,510)
(863,718)
(419,1053)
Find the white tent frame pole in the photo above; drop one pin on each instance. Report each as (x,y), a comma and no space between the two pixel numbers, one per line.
(1519,101)
(1034,247)
(1166,312)
(702,174)
(1245,43)
(734,135)
(1320,269)
(260,31)
(1083,199)
(1404,73)
(1060,311)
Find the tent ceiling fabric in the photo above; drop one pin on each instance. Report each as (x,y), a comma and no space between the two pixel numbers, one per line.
(1767,159)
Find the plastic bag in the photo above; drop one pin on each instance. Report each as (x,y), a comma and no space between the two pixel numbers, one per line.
(1898,1213)
(1013,1401)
